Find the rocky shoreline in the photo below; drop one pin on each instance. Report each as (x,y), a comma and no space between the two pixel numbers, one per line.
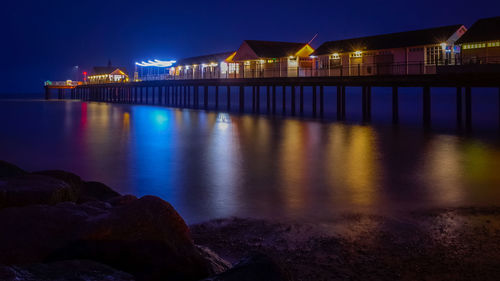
(56,226)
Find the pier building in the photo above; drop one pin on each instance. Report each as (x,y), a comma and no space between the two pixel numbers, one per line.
(402,53)
(481,43)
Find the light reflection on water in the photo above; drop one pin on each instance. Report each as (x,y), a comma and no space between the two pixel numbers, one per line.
(211,165)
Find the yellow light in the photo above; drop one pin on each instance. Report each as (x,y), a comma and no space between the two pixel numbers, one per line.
(357,54)
(230,58)
(335,56)
(262,61)
(291,57)
(443,46)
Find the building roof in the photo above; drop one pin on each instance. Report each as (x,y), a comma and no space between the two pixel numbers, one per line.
(100,70)
(482,30)
(389,41)
(273,49)
(267,49)
(205,59)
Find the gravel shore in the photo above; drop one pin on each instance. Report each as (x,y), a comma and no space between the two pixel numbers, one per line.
(447,244)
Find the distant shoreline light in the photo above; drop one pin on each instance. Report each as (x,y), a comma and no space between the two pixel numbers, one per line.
(157,63)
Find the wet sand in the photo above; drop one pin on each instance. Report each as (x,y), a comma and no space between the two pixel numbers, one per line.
(445,244)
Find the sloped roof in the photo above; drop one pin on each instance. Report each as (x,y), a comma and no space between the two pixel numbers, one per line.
(205,59)
(273,49)
(388,41)
(100,70)
(482,30)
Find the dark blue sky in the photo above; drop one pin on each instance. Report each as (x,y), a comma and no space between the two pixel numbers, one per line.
(42,40)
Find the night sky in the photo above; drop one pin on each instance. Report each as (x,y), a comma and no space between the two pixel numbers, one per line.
(44,40)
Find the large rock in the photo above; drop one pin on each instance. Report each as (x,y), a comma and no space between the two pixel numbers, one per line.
(8,170)
(19,188)
(85,191)
(75,270)
(256,267)
(145,237)
(93,190)
(34,189)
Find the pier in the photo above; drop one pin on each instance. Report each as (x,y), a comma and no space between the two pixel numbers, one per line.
(195,93)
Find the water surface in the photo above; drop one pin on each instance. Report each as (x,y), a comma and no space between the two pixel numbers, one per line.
(213,164)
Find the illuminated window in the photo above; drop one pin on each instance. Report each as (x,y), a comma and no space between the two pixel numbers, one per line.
(234,68)
(356,54)
(494,44)
(433,55)
(223,67)
(335,56)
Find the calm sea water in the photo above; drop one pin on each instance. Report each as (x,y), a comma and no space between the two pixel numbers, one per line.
(213,164)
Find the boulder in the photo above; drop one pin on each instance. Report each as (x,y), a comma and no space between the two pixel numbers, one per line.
(254,268)
(75,270)
(34,189)
(19,188)
(8,170)
(85,191)
(145,237)
(122,200)
(93,190)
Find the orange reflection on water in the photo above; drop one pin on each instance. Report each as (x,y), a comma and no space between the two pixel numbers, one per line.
(296,152)
(352,163)
(293,165)
(443,166)
(126,122)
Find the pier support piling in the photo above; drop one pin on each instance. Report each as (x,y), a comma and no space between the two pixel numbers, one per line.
(364,105)
(426,104)
(274,100)
(342,102)
(258,99)
(459,107)
(395,105)
(283,107)
(468,108)
(498,108)
(216,97)
(47,93)
(253,99)
(228,97)
(314,101)
(242,99)
(205,97)
(268,99)
(301,105)
(321,101)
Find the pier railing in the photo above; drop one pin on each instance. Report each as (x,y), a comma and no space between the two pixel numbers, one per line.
(361,69)
(67,83)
